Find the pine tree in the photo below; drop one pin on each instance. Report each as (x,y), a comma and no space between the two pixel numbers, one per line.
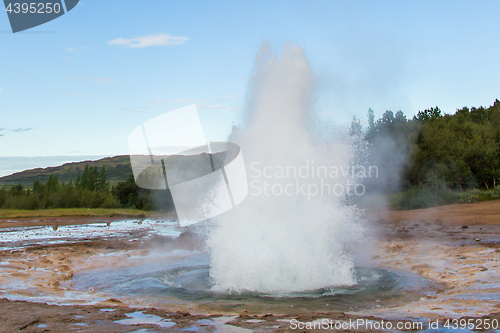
(102,182)
(356,128)
(85,178)
(428,114)
(38,187)
(53,185)
(94,179)
(78,181)
(371,125)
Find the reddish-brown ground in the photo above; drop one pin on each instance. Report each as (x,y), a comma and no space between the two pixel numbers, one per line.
(486,212)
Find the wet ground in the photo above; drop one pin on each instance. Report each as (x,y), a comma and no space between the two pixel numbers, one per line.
(148,276)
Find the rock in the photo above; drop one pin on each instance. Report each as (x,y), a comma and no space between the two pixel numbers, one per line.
(181,313)
(113,300)
(464,227)
(439,222)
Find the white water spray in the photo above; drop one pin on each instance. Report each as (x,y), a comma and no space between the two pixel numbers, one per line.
(280,243)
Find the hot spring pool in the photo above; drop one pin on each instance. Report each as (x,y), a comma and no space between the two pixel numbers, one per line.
(182,278)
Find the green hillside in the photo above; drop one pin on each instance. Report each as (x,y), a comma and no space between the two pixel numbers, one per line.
(87,185)
(117,168)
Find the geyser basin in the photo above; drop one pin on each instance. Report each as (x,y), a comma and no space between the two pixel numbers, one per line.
(182,277)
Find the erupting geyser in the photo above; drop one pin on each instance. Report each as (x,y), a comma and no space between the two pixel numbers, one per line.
(294,232)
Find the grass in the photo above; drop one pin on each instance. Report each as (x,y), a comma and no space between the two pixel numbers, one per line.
(419,197)
(59,212)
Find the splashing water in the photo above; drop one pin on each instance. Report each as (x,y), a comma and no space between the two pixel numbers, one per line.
(292,234)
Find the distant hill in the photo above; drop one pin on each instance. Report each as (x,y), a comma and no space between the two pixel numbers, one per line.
(118,169)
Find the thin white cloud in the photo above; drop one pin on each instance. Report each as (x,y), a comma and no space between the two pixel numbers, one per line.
(215,107)
(158,101)
(22,129)
(75,94)
(188,100)
(75,49)
(3,54)
(200,103)
(70,93)
(162,101)
(95,79)
(132,110)
(161,39)
(1,90)
(226,96)
(2,134)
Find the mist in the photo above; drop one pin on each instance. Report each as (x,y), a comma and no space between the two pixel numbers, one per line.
(281,239)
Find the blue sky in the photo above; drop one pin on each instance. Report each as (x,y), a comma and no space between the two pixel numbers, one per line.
(80,84)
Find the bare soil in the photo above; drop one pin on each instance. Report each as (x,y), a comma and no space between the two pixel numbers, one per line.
(486,212)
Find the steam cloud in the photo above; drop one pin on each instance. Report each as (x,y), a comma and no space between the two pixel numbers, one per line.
(279,244)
